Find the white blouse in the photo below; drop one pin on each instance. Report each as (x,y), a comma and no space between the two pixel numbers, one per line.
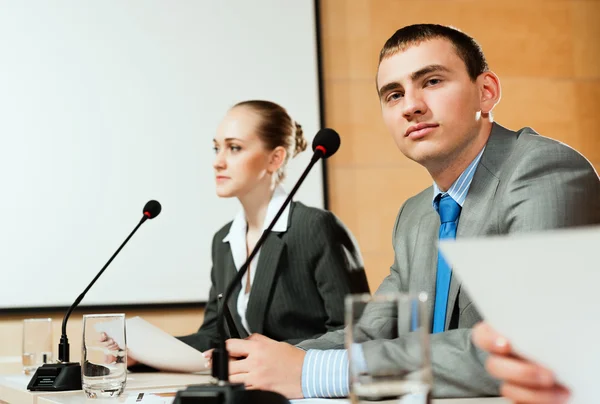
(237,241)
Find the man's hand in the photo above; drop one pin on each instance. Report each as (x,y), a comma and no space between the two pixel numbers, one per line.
(523,381)
(265,364)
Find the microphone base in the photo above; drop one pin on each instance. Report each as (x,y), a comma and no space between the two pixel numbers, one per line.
(227,393)
(56,377)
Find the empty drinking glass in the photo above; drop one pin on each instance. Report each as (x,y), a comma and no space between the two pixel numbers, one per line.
(37,343)
(379,329)
(104,360)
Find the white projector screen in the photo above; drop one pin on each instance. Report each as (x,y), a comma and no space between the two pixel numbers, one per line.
(108,104)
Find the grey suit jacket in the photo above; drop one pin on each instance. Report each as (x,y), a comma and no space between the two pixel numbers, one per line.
(524,182)
(301,279)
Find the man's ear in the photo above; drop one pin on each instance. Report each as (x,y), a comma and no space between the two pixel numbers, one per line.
(489,90)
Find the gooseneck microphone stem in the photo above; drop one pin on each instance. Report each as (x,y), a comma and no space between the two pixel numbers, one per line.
(220,354)
(63,346)
(66,375)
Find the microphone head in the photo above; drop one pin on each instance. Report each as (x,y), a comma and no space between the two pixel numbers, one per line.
(152,209)
(327,141)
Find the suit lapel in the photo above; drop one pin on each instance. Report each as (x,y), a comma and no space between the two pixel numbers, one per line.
(471,222)
(476,209)
(424,262)
(229,272)
(266,269)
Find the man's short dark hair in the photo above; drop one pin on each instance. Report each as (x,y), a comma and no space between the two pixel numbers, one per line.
(466,47)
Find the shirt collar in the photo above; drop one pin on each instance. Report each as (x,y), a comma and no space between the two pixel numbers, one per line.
(239,224)
(459,189)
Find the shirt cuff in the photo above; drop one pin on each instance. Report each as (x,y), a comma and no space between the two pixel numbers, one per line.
(325,373)
(359,364)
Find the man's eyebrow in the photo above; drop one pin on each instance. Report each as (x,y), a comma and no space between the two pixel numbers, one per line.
(394,85)
(428,69)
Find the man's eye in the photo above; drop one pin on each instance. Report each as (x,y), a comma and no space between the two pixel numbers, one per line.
(395,96)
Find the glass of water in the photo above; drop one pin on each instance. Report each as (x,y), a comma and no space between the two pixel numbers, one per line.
(37,343)
(104,355)
(387,337)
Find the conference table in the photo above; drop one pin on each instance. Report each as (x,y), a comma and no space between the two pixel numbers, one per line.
(157,388)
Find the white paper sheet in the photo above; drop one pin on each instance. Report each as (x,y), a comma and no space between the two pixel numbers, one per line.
(542,292)
(318,401)
(147,398)
(154,347)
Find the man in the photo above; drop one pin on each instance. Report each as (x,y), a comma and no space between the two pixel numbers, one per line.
(437,96)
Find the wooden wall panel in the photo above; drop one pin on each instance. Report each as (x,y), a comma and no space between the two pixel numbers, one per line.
(546,53)
(586,31)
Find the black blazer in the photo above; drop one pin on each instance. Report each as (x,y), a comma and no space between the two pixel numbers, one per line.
(301,279)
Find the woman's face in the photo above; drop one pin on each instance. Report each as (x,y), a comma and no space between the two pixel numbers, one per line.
(241,160)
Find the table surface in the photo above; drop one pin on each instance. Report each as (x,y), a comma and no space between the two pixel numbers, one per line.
(13,390)
(130,397)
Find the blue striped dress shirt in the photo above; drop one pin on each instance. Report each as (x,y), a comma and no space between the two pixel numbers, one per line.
(325,373)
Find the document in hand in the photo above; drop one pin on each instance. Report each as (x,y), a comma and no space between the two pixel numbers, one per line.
(540,291)
(153,347)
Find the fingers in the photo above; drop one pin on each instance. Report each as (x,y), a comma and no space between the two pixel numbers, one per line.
(486,338)
(208,354)
(258,337)
(240,348)
(523,395)
(239,378)
(239,366)
(525,382)
(112,345)
(514,370)
(131,361)
(108,342)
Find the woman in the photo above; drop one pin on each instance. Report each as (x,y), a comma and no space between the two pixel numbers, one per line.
(295,286)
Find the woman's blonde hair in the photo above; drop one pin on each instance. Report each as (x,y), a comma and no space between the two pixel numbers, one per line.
(277,128)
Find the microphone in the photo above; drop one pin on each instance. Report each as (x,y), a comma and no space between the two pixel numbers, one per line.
(325,144)
(65,375)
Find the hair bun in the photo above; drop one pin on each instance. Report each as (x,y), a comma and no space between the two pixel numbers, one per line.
(300,139)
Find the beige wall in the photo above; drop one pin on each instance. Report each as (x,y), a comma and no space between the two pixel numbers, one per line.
(175,321)
(548,60)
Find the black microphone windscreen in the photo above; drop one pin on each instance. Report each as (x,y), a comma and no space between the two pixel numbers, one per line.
(327,139)
(152,209)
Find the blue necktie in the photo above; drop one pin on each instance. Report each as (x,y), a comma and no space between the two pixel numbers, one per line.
(449,211)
